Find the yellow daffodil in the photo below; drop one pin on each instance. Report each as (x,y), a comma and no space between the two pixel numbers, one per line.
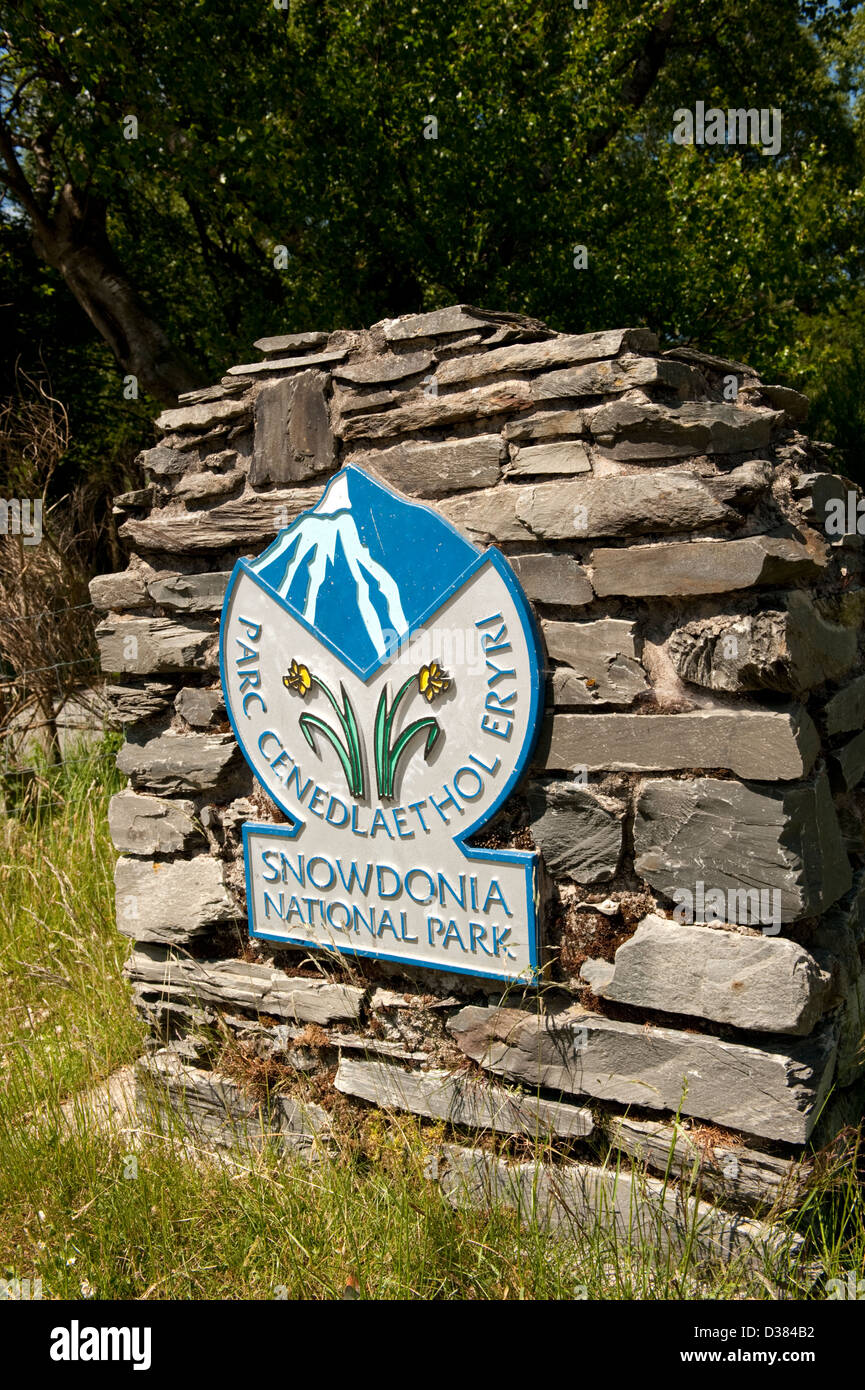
(432,681)
(297,678)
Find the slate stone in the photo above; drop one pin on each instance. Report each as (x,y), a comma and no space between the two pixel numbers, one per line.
(198,487)
(773,1090)
(553,579)
(529,357)
(434,470)
(643,430)
(135,704)
(170,901)
(246,521)
(765,745)
(201,417)
(200,708)
(348,402)
(190,593)
(251,986)
(164,462)
(215,1111)
(460,1099)
(487,515)
(385,367)
(600,662)
(579,1201)
(534,460)
(457,318)
(544,424)
(849,759)
(577,834)
(287,364)
(734,836)
(700,567)
(794,405)
(293,437)
(738,1175)
(612,378)
(151,825)
(290,342)
(628,504)
(118,591)
(846,709)
(150,646)
(791,650)
(197,763)
(766,984)
(428,412)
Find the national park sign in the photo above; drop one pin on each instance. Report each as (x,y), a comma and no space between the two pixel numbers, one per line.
(381,675)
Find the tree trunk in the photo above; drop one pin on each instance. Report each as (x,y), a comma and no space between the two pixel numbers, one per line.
(75,242)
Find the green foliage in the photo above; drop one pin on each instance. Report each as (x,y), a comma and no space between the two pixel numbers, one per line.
(304,128)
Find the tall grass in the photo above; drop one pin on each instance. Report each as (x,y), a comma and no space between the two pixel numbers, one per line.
(140,1212)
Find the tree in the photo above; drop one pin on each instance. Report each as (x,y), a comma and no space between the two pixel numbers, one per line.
(286,170)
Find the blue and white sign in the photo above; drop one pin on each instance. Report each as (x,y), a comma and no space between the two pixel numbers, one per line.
(382,678)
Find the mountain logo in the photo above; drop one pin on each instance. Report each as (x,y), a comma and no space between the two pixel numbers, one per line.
(382,678)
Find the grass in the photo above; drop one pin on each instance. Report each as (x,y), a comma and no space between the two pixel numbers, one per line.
(119,1216)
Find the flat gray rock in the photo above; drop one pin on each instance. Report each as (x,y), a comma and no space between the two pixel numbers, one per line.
(743,1176)
(200,708)
(643,430)
(793,649)
(630,504)
(386,367)
(613,378)
(456,318)
(576,832)
(244,521)
(766,745)
(460,1099)
(434,470)
(738,837)
(201,417)
(293,436)
(600,664)
(190,593)
(255,988)
(699,567)
(560,456)
(171,901)
(288,364)
(290,342)
(118,591)
(846,709)
(772,1090)
(163,462)
(530,357)
(581,1202)
(544,424)
(135,704)
(487,515)
(766,984)
(428,412)
(151,646)
(198,763)
(151,825)
(553,579)
(850,761)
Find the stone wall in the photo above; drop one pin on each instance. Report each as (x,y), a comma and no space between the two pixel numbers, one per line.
(703,736)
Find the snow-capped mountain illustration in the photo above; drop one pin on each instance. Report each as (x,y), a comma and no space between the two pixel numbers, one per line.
(364,566)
